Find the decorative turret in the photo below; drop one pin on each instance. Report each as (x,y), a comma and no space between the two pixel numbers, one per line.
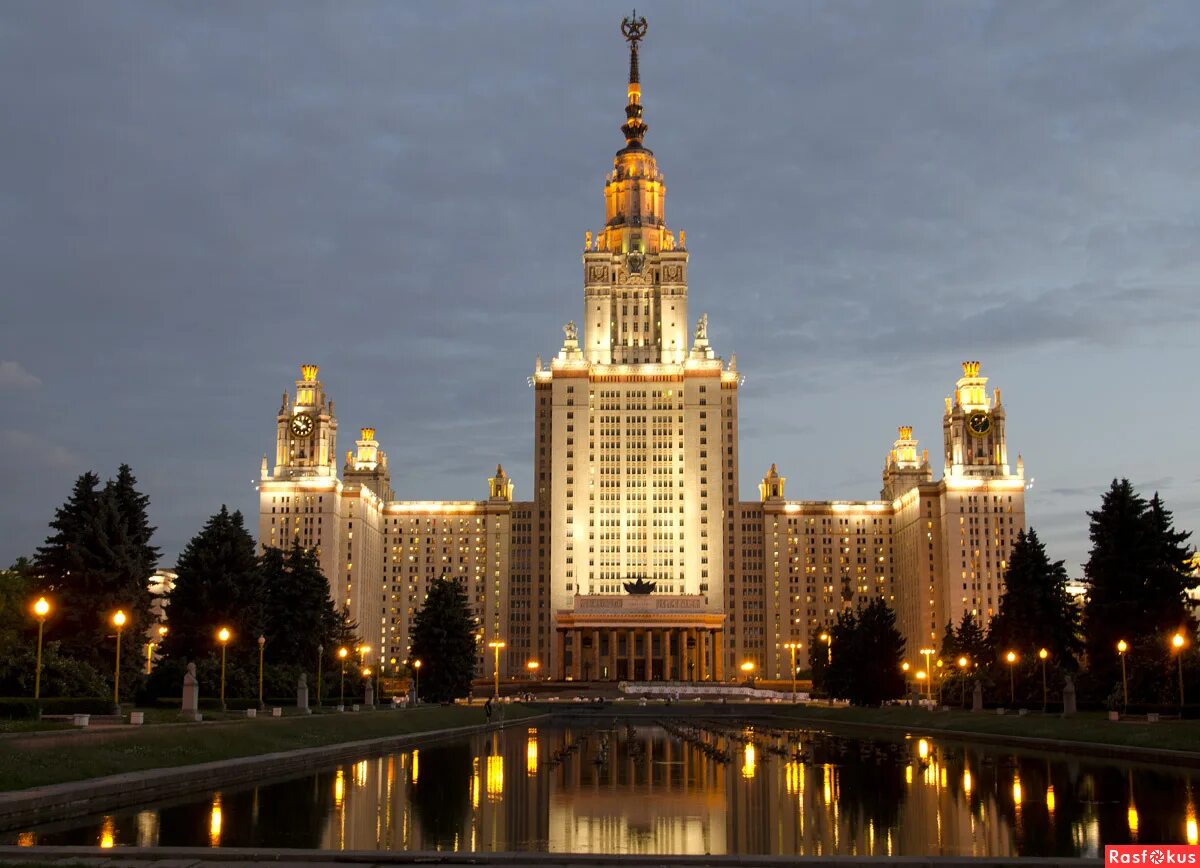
(367,465)
(903,469)
(500,487)
(634,127)
(771,488)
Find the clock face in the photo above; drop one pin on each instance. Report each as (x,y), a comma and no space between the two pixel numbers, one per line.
(302,425)
(979,423)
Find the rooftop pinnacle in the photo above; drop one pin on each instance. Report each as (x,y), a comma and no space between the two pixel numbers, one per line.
(634,128)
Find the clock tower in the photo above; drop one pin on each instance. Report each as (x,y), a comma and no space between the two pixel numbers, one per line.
(973,429)
(306,431)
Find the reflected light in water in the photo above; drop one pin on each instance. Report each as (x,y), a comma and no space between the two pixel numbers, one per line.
(26,839)
(908,774)
(415,764)
(531,753)
(1017,791)
(107,833)
(827,786)
(476,785)
(1193,835)
(339,788)
(214,822)
(748,762)
(1131,817)
(1050,802)
(360,774)
(923,748)
(793,778)
(495,778)
(967,782)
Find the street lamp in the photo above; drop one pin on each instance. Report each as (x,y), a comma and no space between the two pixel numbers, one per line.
(927,653)
(343,653)
(1011,657)
(320,660)
(162,632)
(1122,647)
(366,674)
(1177,642)
(417,686)
(963,662)
(40,609)
(533,667)
(118,620)
(793,647)
(262,642)
(828,640)
(496,645)
(1042,655)
(223,636)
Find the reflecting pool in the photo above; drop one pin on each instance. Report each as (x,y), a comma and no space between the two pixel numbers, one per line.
(686,787)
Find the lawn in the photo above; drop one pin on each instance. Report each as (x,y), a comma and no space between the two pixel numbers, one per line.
(1087,727)
(46,759)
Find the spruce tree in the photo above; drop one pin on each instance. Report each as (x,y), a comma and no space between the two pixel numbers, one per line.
(1035,610)
(443,639)
(1136,579)
(219,584)
(299,614)
(970,641)
(866,655)
(98,560)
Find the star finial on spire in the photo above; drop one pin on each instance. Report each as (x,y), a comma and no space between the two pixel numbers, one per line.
(634,128)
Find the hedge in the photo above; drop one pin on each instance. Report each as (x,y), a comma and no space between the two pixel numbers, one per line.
(27,709)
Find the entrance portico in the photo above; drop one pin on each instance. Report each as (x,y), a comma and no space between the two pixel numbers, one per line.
(639,637)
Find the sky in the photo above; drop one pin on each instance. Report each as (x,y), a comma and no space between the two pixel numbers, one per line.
(196,198)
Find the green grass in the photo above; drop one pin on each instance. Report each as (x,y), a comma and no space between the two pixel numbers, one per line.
(1087,727)
(26,763)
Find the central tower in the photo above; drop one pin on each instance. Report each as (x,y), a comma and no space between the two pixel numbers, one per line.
(636,441)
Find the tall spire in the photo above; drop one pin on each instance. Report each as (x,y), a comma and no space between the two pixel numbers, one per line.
(634,128)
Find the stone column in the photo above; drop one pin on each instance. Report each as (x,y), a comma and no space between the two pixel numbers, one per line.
(562,654)
(649,655)
(702,651)
(667,635)
(719,654)
(630,653)
(595,655)
(577,654)
(690,640)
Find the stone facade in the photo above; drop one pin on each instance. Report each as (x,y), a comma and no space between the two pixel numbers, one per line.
(635,478)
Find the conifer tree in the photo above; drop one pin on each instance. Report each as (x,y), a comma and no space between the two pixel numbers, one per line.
(1137,581)
(1035,610)
(443,639)
(219,584)
(299,614)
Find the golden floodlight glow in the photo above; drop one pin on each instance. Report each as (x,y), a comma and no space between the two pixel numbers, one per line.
(214,822)
(1011,656)
(343,653)
(108,835)
(119,619)
(1122,646)
(749,761)
(962,662)
(747,666)
(495,778)
(1043,654)
(223,635)
(1177,641)
(42,607)
(905,666)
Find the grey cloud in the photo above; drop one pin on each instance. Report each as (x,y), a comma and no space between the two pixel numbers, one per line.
(14,376)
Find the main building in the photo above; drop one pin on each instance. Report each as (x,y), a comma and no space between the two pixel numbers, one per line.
(635,559)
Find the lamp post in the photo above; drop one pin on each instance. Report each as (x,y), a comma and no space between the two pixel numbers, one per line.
(417,686)
(1042,655)
(1122,647)
(748,668)
(963,662)
(827,638)
(40,609)
(223,636)
(262,643)
(927,653)
(533,667)
(320,660)
(793,647)
(904,667)
(1011,657)
(162,632)
(1177,643)
(366,674)
(118,620)
(496,645)
(343,653)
